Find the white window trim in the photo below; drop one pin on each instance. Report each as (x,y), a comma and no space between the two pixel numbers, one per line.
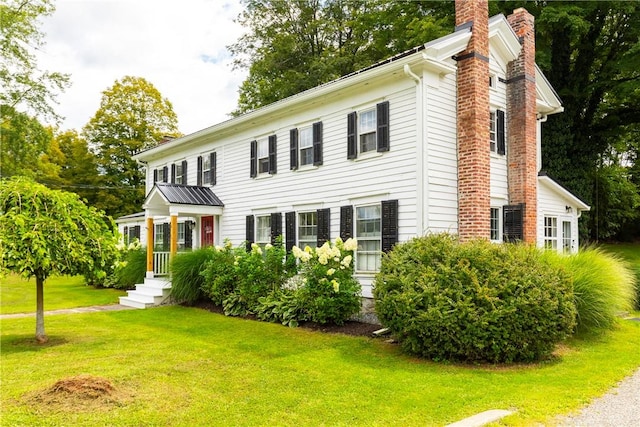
(358,238)
(360,133)
(500,229)
(260,142)
(257,234)
(298,225)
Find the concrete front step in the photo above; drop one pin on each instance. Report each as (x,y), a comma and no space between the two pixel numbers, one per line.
(153,292)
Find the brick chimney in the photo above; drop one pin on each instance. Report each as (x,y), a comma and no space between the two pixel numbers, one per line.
(522,124)
(474,197)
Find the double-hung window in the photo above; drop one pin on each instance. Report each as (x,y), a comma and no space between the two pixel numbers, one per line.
(263,230)
(307,229)
(368,130)
(179,173)
(207,168)
(495,224)
(161,174)
(181,234)
(369,237)
(306,146)
(263,156)
(551,232)
(497,141)
(159,237)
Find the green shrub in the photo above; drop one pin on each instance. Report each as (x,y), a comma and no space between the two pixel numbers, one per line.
(475,301)
(130,268)
(238,279)
(603,286)
(186,277)
(329,292)
(636,273)
(281,306)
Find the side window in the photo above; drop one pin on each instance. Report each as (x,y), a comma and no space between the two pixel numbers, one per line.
(497,142)
(551,232)
(263,156)
(161,174)
(306,146)
(368,130)
(495,224)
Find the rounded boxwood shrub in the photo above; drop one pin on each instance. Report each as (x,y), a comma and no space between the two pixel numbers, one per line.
(474,301)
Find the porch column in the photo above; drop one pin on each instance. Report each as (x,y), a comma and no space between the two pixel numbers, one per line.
(150,244)
(173,247)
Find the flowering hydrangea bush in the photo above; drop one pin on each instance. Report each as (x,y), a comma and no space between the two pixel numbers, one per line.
(263,281)
(329,293)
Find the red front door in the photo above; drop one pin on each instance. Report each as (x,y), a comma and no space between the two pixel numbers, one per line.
(206,225)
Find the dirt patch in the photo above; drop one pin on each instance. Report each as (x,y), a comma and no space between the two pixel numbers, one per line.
(350,327)
(80,393)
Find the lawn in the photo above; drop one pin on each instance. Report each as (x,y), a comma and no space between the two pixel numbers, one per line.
(185,366)
(19,295)
(628,251)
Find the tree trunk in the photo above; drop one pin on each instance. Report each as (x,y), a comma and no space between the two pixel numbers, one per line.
(41,337)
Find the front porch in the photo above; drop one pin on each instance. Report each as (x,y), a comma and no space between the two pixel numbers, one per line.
(199,211)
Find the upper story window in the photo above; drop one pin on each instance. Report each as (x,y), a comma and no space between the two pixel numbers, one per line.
(207,169)
(161,174)
(263,156)
(497,141)
(368,130)
(306,146)
(179,173)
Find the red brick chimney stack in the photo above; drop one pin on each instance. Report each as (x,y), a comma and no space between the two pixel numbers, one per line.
(474,197)
(522,123)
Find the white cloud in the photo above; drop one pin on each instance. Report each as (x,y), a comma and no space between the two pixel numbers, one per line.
(180,47)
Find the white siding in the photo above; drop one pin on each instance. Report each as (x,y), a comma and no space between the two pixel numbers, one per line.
(551,204)
(498,101)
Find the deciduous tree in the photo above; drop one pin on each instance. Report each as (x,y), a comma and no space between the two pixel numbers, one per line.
(45,232)
(133,116)
(23,86)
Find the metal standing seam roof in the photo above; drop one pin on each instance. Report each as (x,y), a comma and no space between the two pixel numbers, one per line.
(188,195)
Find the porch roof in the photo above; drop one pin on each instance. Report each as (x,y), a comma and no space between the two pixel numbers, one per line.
(180,198)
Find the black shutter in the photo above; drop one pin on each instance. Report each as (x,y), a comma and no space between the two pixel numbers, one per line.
(199,180)
(173,173)
(290,230)
(352,140)
(276,226)
(513,222)
(136,232)
(250,231)
(346,222)
(155,176)
(382,131)
(254,159)
(184,172)
(188,234)
(389,224)
(317,143)
(324,235)
(272,155)
(500,124)
(125,235)
(293,149)
(165,171)
(166,235)
(213,168)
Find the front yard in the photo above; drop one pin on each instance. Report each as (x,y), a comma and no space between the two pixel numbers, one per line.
(186,366)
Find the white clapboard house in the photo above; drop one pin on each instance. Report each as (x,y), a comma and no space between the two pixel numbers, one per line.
(442,138)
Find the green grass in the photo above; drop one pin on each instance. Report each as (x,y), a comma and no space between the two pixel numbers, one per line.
(184,366)
(631,253)
(19,296)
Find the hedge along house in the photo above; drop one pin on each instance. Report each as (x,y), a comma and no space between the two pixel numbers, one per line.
(442,138)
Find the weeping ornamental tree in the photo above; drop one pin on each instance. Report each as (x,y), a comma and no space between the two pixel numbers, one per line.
(45,232)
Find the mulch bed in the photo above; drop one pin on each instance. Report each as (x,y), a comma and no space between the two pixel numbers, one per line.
(350,327)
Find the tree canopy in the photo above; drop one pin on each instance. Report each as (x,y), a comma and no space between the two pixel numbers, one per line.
(133,116)
(24,87)
(45,232)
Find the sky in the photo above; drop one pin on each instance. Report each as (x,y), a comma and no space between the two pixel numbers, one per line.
(178,46)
